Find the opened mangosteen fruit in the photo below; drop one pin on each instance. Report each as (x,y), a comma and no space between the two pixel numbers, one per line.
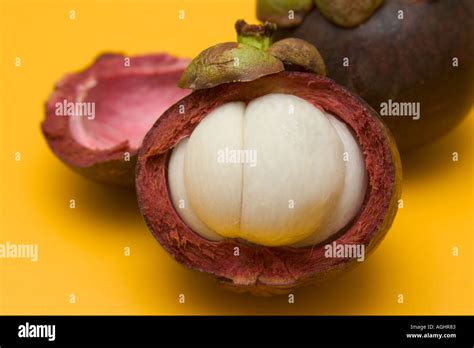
(253,180)
(96,119)
(394,54)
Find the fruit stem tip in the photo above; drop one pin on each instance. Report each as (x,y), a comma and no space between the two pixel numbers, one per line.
(257,35)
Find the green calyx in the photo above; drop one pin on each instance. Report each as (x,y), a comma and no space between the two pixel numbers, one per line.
(228,62)
(290,13)
(348,13)
(285,13)
(252,57)
(300,55)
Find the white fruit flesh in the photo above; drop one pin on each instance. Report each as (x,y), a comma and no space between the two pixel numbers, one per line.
(214,189)
(353,192)
(275,172)
(179,195)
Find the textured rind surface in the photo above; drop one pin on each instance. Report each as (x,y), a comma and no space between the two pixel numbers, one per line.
(407,60)
(108,166)
(268,270)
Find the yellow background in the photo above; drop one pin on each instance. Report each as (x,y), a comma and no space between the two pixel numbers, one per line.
(81,251)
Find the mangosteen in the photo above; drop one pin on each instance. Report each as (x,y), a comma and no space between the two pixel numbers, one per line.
(96,119)
(270,177)
(394,54)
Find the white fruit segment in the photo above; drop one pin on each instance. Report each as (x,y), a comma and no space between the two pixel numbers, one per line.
(297,179)
(297,176)
(353,192)
(179,196)
(215,189)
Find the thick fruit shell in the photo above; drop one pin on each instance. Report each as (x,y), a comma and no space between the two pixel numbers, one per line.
(258,269)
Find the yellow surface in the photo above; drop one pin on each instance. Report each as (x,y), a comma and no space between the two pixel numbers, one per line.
(81,250)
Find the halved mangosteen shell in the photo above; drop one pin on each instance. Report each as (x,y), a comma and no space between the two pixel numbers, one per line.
(258,269)
(114,164)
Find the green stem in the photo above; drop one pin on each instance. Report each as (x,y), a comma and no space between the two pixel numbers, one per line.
(256,35)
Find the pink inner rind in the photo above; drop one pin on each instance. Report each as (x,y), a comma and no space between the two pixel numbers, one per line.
(259,265)
(125,108)
(129,94)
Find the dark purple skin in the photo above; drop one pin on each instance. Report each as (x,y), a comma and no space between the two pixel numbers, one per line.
(409,60)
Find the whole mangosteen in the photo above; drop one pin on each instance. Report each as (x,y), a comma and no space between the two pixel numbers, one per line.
(411,60)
